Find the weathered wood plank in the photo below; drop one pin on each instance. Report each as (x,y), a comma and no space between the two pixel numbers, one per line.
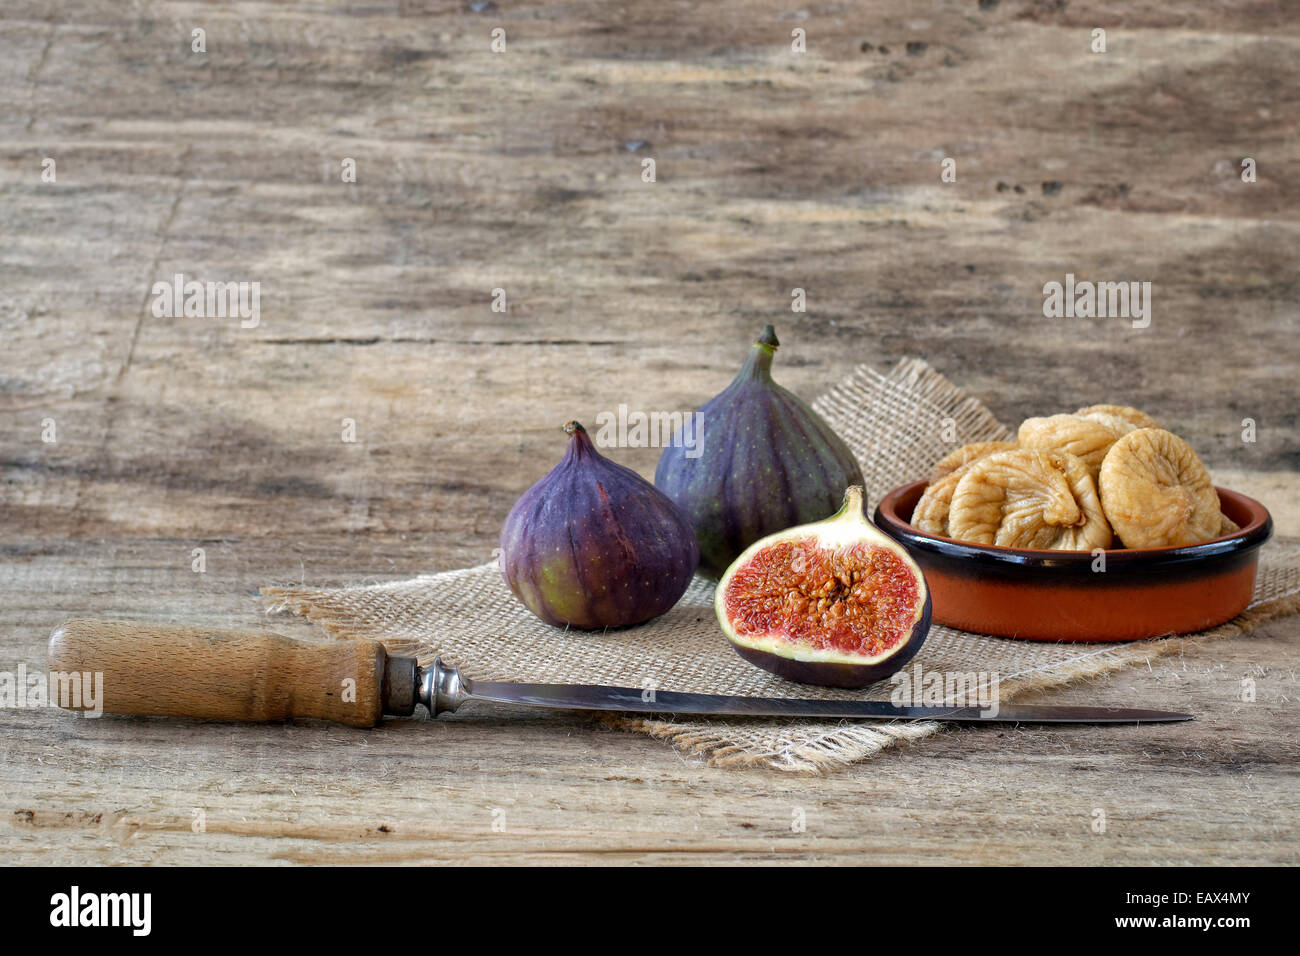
(522,171)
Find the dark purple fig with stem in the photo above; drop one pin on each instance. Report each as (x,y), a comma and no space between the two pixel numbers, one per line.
(594,545)
(836,602)
(762,460)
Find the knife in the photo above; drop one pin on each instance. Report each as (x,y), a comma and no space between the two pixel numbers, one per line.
(117,667)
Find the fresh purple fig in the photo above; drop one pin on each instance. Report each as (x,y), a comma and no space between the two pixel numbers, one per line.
(762,460)
(836,603)
(594,545)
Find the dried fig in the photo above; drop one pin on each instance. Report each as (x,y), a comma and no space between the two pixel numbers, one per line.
(1227,526)
(1029,499)
(1135,417)
(1085,438)
(1156,492)
(965,455)
(931,512)
(1120,426)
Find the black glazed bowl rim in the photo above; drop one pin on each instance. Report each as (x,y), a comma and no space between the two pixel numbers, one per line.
(1251,536)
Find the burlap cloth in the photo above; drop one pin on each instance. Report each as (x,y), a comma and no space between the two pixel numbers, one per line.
(896,424)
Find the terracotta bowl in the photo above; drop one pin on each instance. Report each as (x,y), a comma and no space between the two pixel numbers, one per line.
(1057,596)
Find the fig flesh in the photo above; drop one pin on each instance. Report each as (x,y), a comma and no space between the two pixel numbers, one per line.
(764,461)
(594,545)
(835,603)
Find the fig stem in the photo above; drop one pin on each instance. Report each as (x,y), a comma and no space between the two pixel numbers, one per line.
(580,444)
(852,500)
(758,364)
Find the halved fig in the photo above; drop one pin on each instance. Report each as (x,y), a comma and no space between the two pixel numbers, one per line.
(835,603)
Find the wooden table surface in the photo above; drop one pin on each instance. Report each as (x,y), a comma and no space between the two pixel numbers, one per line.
(522,171)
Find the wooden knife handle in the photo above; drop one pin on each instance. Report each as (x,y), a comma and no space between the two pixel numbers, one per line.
(217,674)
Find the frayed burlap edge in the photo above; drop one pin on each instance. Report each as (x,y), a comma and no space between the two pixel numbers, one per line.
(852,743)
(848,744)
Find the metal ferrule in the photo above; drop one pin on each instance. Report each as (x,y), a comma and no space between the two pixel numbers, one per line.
(440,688)
(400,686)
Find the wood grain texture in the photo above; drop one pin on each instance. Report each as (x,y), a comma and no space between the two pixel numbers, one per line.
(522,171)
(153,670)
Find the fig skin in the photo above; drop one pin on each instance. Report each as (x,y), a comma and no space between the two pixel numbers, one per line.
(767,462)
(827,668)
(829,673)
(594,545)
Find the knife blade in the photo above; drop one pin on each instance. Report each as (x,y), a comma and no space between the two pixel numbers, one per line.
(118,667)
(608,698)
